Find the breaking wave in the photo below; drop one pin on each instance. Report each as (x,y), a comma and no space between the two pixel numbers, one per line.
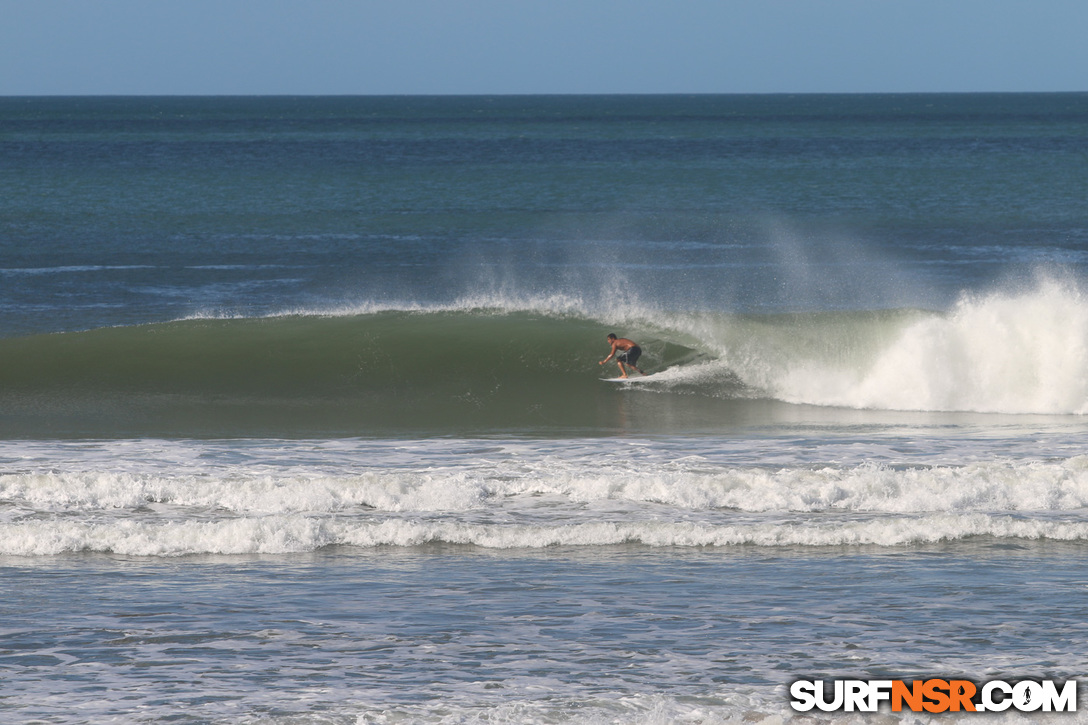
(470,369)
(525,500)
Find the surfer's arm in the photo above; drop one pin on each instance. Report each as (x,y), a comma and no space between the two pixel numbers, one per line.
(613,352)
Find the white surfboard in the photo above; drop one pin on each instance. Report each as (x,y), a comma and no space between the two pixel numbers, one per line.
(673,373)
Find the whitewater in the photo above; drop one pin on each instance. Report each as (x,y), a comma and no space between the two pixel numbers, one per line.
(499,572)
(515,495)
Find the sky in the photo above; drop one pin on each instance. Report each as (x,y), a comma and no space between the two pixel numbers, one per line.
(306,47)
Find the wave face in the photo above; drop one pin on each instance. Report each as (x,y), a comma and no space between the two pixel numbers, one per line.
(377,373)
(473,369)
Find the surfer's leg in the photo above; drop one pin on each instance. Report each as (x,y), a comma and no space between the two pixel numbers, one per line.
(623,370)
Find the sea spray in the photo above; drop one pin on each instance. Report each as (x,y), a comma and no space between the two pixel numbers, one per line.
(1004,352)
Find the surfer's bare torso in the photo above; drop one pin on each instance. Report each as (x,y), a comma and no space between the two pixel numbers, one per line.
(626,352)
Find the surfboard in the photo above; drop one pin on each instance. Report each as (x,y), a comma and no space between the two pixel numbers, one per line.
(632,379)
(674,373)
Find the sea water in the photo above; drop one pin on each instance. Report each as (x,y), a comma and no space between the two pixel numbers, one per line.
(301,419)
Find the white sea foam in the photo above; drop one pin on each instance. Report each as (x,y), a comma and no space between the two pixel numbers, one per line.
(169,498)
(749,706)
(284,534)
(690,483)
(1006,352)
(735,706)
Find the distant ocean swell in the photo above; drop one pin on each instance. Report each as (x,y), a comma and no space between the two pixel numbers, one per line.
(456,370)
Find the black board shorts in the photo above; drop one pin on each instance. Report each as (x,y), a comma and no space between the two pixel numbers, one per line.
(630,355)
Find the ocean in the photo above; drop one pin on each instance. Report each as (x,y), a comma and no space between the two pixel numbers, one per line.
(302,421)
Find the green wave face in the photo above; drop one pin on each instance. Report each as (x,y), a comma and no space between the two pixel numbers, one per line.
(387,373)
(499,372)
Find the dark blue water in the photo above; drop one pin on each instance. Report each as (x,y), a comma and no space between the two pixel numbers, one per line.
(125,210)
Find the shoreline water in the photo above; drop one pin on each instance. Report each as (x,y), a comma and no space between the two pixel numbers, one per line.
(456,634)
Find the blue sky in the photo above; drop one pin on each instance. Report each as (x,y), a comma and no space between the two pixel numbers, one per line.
(50,47)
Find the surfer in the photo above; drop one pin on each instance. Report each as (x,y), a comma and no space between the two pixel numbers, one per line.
(626,352)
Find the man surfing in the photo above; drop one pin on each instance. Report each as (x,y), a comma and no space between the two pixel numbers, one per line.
(626,352)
